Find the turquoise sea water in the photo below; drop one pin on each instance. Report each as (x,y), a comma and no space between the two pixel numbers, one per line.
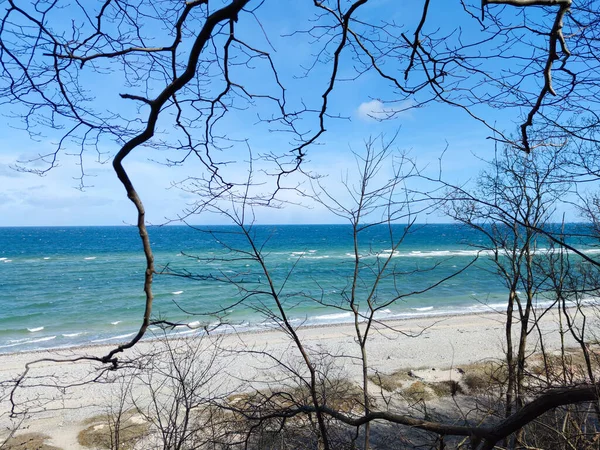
(61,287)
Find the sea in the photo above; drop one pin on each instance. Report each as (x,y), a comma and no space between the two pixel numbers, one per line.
(70,286)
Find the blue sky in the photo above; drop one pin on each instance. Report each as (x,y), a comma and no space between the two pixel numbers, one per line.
(424,133)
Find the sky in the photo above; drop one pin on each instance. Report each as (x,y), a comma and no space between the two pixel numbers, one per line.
(423,133)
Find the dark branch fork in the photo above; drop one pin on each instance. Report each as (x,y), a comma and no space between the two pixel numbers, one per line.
(230,13)
(556,38)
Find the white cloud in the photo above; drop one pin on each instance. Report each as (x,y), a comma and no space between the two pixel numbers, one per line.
(377,110)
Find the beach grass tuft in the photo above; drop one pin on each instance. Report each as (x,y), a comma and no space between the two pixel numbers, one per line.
(29,441)
(100,432)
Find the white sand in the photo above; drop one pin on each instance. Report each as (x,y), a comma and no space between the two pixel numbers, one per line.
(442,343)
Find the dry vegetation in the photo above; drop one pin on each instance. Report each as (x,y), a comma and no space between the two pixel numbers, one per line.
(282,418)
(28,441)
(108,432)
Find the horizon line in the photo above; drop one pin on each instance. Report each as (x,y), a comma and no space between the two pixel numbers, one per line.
(255,224)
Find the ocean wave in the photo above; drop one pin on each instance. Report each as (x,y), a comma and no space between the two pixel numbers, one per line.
(27,341)
(90,258)
(179,333)
(117,322)
(72,334)
(421,254)
(44,339)
(336,316)
(3,259)
(9,345)
(121,336)
(444,253)
(472,253)
(34,330)
(177,292)
(424,308)
(17,341)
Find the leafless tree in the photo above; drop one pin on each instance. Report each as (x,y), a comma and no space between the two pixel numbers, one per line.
(514,206)
(514,198)
(174,388)
(183,67)
(184,64)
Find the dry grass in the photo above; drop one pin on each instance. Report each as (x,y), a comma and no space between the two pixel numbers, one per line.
(570,367)
(391,382)
(418,391)
(484,377)
(345,396)
(29,441)
(446,388)
(100,432)
(413,389)
(340,394)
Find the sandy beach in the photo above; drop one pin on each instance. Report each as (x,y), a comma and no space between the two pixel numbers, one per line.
(248,361)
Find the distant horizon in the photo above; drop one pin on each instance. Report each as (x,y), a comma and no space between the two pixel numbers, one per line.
(255,224)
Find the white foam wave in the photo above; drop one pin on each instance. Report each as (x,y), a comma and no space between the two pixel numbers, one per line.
(72,334)
(3,259)
(451,253)
(44,339)
(46,257)
(424,308)
(194,324)
(422,254)
(90,258)
(177,292)
(443,253)
(34,330)
(475,252)
(18,342)
(121,336)
(116,323)
(334,316)
(7,260)
(184,332)
(10,345)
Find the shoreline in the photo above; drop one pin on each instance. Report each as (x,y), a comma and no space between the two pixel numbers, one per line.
(232,329)
(488,311)
(423,327)
(148,338)
(60,397)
